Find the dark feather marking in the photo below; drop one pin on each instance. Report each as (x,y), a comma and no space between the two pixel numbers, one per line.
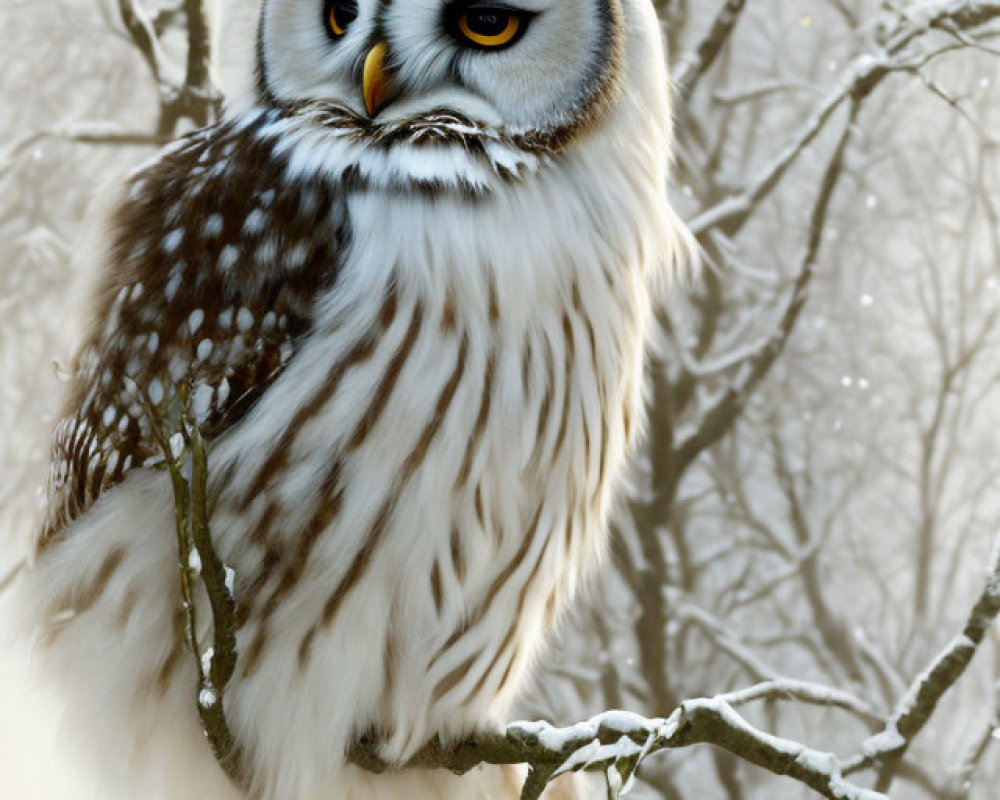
(457,556)
(478,503)
(170,297)
(526,358)
(248,598)
(521,598)
(436,588)
(546,405)
(363,349)
(603,463)
(331,502)
(453,678)
(480,426)
(90,595)
(567,388)
(498,583)
(506,672)
(385,387)
(167,669)
(372,540)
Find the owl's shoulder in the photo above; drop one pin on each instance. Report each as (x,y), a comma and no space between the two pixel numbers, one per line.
(215,263)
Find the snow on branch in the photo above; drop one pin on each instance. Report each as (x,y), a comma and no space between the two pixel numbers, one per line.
(861,78)
(616,743)
(886,750)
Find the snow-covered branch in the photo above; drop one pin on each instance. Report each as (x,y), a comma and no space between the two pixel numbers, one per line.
(862,76)
(886,750)
(616,743)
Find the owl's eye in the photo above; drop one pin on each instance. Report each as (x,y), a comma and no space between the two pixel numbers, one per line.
(339,15)
(488,27)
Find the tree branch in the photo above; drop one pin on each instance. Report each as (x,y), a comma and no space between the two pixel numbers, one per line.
(887,749)
(864,74)
(704,55)
(142,31)
(185,454)
(717,420)
(95,133)
(622,741)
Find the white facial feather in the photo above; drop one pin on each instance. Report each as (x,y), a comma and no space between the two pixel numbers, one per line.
(537,84)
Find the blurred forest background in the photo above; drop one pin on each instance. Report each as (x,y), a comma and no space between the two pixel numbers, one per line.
(820,488)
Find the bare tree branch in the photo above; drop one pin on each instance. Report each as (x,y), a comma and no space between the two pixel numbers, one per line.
(704,55)
(718,419)
(144,36)
(184,453)
(887,750)
(94,133)
(864,74)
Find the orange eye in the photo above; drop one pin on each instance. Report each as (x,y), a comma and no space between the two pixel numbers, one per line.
(490,27)
(339,15)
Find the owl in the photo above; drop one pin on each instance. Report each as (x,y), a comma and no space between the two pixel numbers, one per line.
(404,298)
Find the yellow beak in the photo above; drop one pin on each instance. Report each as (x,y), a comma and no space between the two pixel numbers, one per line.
(376,79)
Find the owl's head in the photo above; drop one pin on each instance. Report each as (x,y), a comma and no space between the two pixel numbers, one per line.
(521,65)
(509,80)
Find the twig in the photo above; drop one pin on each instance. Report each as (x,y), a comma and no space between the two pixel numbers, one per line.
(144,36)
(95,133)
(196,98)
(219,582)
(197,558)
(808,693)
(966,772)
(701,60)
